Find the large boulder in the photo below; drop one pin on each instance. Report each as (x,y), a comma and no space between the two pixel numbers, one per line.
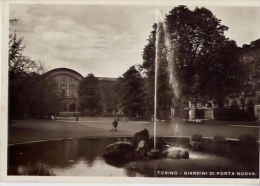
(119,150)
(139,136)
(176,153)
(160,143)
(142,149)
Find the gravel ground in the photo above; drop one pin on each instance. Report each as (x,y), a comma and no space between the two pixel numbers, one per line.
(60,128)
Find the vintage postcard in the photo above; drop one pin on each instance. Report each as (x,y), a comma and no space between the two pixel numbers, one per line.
(137,92)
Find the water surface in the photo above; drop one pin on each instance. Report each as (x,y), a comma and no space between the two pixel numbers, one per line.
(83,157)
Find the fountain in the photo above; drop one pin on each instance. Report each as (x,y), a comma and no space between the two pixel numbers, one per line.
(161,27)
(158,20)
(140,146)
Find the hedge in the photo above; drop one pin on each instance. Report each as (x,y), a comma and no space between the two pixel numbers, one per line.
(232,114)
(247,139)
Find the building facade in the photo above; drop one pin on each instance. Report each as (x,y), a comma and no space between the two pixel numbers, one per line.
(67,82)
(250,96)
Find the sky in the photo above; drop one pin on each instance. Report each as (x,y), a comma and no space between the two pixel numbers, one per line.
(106,39)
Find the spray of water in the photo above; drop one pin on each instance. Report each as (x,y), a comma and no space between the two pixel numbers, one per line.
(158,19)
(173,81)
(172,69)
(170,52)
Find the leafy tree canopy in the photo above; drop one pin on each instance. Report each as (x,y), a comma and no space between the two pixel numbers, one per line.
(132,92)
(29,93)
(200,60)
(88,94)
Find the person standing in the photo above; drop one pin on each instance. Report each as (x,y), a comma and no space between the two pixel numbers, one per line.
(115,123)
(77,117)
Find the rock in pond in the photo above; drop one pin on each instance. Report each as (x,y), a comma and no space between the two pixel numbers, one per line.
(154,154)
(139,136)
(122,150)
(142,149)
(176,153)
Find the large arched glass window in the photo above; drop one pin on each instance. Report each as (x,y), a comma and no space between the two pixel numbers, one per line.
(63,90)
(72,91)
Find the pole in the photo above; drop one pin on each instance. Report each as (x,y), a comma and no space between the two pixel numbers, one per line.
(155,103)
(156,80)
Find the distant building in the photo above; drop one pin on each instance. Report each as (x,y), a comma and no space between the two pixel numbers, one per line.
(67,81)
(250,97)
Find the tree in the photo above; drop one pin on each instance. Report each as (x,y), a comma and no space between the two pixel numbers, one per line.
(44,98)
(89,95)
(19,69)
(206,62)
(132,94)
(148,67)
(18,63)
(29,92)
(201,60)
(108,97)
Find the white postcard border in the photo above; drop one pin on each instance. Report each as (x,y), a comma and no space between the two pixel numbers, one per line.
(61,179)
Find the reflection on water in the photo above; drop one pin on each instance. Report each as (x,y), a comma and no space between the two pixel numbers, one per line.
(83,157)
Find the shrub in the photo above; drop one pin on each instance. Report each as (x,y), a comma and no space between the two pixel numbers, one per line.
(232,114)
(219,139)
(196,137)
(107,114)
(247,139)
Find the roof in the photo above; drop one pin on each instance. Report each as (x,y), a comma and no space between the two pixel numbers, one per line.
(63,70)
(254,45)
(75,73)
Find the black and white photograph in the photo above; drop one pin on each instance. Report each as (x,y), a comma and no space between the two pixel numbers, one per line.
(119,90)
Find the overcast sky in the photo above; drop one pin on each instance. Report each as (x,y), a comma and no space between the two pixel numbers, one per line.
(106,40)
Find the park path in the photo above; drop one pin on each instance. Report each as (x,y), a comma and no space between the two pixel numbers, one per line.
(61,128)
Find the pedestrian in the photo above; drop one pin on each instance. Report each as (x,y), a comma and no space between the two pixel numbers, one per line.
(77,117)
(114,124)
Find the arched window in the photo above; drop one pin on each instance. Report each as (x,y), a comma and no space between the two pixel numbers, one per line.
(72,107)
(64,107)
(63,91)
(72,91)
(209,105)
(234,103)
(227,102)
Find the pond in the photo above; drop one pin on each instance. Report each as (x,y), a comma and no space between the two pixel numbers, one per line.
(83,157)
